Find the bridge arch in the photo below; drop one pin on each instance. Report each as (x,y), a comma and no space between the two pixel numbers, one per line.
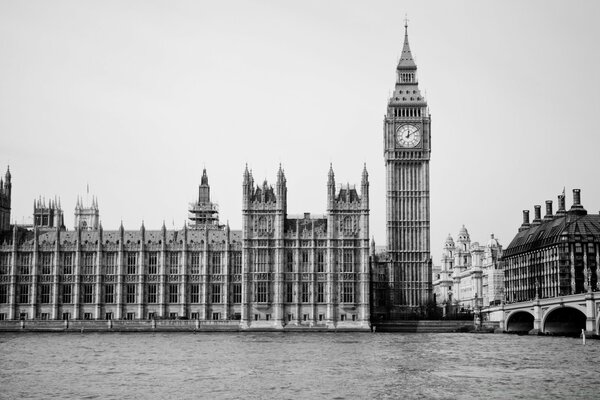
(564,320)
(519,321)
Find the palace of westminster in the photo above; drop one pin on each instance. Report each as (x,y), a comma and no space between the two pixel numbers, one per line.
(278,270)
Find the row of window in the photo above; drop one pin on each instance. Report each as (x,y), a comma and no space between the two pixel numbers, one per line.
(263,261)
(262,293)
(88,263)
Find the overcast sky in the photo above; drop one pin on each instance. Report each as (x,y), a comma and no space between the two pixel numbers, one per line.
(135,98)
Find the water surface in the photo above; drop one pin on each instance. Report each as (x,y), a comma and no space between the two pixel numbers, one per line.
(296,365)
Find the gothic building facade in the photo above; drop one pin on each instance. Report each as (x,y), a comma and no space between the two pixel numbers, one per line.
(279,270)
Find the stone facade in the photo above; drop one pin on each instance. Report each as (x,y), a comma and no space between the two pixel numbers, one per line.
(277,271)
(470,275)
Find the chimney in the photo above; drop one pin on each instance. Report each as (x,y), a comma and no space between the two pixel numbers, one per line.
(561,206)
(548,215)
(537,220)
(525,224)
(577,208)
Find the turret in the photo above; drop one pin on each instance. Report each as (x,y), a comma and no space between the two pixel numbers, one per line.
(330,188)
(364,192)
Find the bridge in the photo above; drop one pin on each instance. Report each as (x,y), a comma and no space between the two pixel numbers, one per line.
(563,315)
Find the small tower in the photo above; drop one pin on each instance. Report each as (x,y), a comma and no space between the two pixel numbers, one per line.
(87,213)
(204,213)
(48,215)
(5,200)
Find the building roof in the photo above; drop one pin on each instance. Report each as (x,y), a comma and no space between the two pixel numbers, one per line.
(569,225)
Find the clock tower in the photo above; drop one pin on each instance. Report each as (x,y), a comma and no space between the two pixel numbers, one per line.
(407,149)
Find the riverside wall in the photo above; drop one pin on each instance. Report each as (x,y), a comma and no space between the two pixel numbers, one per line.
(230,326)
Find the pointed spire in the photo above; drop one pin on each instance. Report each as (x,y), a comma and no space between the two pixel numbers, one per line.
(8,175)
(204,179)
(365,175)
(406,60)
(330,175)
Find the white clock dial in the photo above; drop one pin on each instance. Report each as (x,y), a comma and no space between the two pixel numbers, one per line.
(408,136)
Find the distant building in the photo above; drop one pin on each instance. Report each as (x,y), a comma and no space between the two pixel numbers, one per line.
(470,275)
(557,255)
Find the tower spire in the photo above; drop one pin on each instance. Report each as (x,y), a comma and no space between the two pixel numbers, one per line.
(406,59)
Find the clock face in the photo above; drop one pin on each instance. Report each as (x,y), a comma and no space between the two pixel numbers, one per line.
(408,136)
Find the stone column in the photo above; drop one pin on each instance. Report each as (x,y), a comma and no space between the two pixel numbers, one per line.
(56,277)
(34,276)
(184,277)
(12,297)
(98,287)
(590,313)
(204,280)
(140,280)
(225,275)
(119,283)
(76,296)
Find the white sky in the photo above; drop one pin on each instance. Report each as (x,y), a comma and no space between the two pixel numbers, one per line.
(135,98)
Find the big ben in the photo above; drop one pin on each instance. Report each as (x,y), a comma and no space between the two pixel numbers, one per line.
(407,149)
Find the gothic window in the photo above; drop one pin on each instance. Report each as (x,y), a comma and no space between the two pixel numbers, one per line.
(305,292)
(67,292)
(347,292)
(23,293)
(216,293)
(24,263)
(216,263)
(263,224)
(262,261)
(237,263)
(289,292)
(153,263)
(4,263)
(320,292)
(347,261)
(195,293)
(174,263)
(289,262)
(320,264)
(87,293)
(237,293)
(110,262)
(262,292)
(130,293)
(131,263)
(152,293)
(195,263)
(44,294)
(3,294)
(88,259)
(348,225)
(173,293)
(46,263)
(109,293)
(304,261)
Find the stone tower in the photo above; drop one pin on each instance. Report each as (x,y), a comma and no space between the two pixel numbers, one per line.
(87,214)
(47,215)
(5,199)
(407,148)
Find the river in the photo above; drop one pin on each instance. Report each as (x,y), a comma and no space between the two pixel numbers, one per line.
(296,365)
